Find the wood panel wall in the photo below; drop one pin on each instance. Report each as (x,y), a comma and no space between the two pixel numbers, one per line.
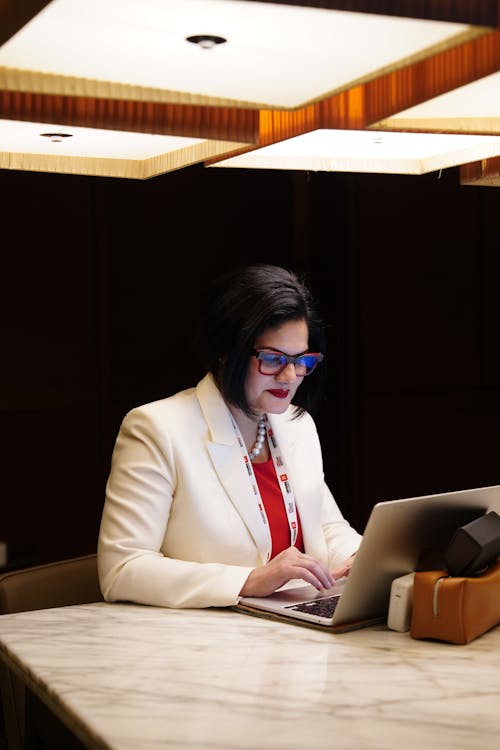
(415,269)
(101,280)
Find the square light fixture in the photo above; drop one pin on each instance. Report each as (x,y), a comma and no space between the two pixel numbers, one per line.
(474,108)
(368,151)
(41,147)
(213,52)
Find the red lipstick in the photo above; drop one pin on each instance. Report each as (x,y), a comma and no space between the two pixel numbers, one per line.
(278,392)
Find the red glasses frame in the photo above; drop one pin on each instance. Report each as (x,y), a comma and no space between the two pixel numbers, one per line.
(286,360)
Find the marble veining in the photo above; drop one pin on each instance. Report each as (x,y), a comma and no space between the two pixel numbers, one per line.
(136,677)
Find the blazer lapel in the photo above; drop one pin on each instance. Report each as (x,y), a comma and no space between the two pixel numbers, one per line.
(227,460)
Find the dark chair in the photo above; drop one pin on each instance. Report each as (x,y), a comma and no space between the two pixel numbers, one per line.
(56,584)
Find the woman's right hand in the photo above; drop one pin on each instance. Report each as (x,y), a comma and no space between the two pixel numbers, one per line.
(287,565)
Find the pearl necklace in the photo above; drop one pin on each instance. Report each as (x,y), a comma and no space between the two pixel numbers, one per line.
(261,436)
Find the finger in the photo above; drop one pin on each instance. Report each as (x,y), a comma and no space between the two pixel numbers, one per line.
(340,572)
(322,573)
(295,564)
(344,569)
(312,571)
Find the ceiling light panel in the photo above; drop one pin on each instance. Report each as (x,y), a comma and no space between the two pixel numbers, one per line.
(275,56)
(368,151)
(56,148)
(472,108)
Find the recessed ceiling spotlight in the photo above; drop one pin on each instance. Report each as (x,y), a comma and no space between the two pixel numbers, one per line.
(206,41)
(56,137)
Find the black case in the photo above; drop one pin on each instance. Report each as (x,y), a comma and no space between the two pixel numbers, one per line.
(474,546)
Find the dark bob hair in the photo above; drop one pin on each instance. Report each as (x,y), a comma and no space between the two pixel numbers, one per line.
(237,308)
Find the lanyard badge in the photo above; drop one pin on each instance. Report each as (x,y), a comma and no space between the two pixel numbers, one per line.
(283,481)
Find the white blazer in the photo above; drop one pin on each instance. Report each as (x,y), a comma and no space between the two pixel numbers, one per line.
(180,526)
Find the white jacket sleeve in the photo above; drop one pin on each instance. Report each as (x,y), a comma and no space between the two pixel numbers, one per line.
(342,539)
(139,496)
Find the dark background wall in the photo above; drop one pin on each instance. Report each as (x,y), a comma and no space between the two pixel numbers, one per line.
(101,280)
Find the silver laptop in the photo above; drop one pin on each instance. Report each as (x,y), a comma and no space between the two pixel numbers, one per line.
(401,536)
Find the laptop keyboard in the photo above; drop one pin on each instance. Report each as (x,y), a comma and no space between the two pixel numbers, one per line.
(323,607)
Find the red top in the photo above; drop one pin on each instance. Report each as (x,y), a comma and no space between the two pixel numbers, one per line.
(273,503)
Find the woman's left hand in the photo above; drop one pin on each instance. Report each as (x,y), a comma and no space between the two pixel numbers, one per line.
(343,569)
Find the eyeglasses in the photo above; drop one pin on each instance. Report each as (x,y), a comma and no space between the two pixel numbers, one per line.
(272,363)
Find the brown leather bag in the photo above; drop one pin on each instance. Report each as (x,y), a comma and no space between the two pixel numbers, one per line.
(455,609)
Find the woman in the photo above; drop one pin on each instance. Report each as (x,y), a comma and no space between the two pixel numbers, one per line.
(218,492)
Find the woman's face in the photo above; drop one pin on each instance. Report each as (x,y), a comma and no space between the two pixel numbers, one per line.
(273,393)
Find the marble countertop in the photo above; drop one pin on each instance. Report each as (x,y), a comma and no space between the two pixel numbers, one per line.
(129,677)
